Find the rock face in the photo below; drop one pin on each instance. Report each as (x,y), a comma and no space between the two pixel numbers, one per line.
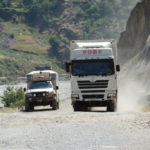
(68,30)
(133,40)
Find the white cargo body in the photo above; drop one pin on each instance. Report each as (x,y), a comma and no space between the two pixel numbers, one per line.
(93,74)
(44,75)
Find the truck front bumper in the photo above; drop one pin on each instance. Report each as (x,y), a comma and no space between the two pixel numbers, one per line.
(37,101)
(94,97)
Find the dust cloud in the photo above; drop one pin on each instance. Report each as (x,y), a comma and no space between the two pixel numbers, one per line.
(133,87)
(130,93)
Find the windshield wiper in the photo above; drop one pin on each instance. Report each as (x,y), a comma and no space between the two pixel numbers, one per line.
(106,74)
(82,75)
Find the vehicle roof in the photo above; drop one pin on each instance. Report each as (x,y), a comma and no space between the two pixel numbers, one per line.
(43,71)
(90,44)
(95,44)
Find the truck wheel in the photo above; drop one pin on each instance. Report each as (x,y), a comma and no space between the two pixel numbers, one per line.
(27,107)
(88,109)
(55,105)
(78,107)
(112,106)
(32,107)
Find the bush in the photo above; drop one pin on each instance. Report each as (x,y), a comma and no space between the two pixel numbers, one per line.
(54,42)
(13,97)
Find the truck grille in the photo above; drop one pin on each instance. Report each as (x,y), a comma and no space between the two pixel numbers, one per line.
(93,96)
(38,94)
(93,85)
(93,91)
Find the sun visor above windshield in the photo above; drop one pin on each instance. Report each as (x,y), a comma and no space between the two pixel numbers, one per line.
(92,53)
(39,77)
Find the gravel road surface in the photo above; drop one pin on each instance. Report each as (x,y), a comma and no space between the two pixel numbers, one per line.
(45,129)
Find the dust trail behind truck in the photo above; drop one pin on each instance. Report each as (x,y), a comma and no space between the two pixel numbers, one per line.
(93,67)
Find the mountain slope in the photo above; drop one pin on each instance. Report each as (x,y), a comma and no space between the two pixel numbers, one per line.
(134,38)
(35,32)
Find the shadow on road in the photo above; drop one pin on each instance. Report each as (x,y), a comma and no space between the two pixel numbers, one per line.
(97,111)
(38,110)
(94,110)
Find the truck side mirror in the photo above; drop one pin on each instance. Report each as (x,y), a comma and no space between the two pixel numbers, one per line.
(57,87)
(118,68)
(24,89)
(68,66)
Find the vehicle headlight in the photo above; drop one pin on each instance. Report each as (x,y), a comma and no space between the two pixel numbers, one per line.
(29,95)
(111,95)
(75,96)
(49,94)
(44,94)
(34,95)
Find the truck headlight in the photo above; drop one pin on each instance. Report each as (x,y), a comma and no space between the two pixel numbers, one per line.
(111,96)
(49,94)
(44,94)
(75,96)
(28,95)
(34,95)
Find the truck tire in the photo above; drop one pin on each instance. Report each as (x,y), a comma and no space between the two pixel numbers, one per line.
(112,106)
(28,107)
(32,107)
(88,109)
(77,106)
(55,104)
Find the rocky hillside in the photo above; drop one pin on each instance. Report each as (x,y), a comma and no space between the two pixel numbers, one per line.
(134,51)
(134,38)
(36,33)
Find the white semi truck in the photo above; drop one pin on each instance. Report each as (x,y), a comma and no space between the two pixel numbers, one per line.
(93,67)
(42,89)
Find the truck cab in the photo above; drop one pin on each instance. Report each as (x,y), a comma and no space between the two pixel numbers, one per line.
(42,89)
(93,75)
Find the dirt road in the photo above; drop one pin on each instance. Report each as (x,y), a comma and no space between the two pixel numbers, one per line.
(45,129)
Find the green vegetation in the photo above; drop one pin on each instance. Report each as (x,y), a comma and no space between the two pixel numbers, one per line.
(28,44)
(54,42)
(37,32)
(20,63)
(41,13)
(102,18)
(28,50)
(99,18)
(13,97)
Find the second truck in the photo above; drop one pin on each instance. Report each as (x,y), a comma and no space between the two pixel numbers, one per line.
(42,89)
(93,67)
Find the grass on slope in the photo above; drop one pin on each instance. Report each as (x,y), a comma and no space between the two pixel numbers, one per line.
(26,39)
(18,64)
(27,49)
(28,44)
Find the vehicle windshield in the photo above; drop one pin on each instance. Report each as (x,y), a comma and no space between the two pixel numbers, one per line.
(40,85)
(93,67)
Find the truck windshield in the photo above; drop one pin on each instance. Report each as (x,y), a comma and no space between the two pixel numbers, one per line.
(40,85)
(93,67)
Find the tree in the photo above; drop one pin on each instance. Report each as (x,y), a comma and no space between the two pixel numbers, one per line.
(54,42)
(41,12)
